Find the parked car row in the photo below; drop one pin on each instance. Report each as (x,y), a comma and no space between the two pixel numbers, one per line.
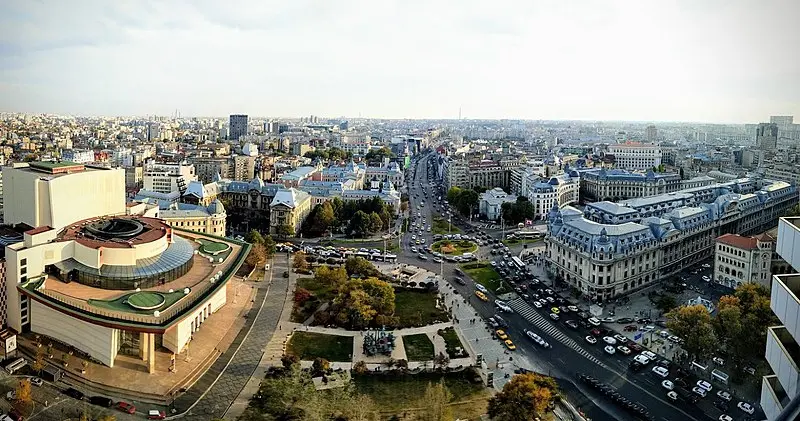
(634,408)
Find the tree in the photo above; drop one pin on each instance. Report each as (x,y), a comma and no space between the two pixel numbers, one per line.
(793,211)
(299,261)
(683,177)
(359,266)
(403,206)
(742,320)
(453,194)
(358,301)
(38,363)
(301,295)
(107,417)
(375,222)
(269,246)
(525,397)
(360,224)
(331,276)
(441,360)
(666,303)
(435,403)
(693,325)
(360,367)
(290,361)
(285,231)
(254,237)
(257,255)
(379,154)
(23,402)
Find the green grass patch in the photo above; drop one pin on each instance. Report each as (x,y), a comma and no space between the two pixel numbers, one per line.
(452,342)
(484,274)
(396,394)
(211,247)
(310,345)
(121,303)
(417,308)
(440,226)
(456,248)
(418,347)
(321,293)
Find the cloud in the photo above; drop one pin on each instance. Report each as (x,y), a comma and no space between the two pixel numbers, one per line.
(527,59)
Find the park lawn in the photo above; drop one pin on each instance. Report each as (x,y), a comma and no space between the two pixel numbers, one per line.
(484,274)
(310,345)
(399,394)
(440,226)
(418,347)
(451,341)
(417,308)
(461,247)
(321,294)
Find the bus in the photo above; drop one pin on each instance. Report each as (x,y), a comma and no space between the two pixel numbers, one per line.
(15,365)
(528,235)
(517,262)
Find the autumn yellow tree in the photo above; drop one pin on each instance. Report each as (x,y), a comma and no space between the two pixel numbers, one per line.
(693,325)
(23,402)
(525,397)
(435,403)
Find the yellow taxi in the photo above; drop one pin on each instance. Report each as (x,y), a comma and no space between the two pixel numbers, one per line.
(510,345)
(554,310)
(481,296)
(501,334)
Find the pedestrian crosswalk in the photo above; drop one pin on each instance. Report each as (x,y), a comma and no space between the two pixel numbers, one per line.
(532,316)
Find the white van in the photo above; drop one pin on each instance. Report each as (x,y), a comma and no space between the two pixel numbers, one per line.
(15,365)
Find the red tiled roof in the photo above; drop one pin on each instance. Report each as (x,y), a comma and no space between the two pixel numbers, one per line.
(734,240)
(38,230)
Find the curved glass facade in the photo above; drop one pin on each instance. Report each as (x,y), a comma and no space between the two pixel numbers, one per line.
(175,262)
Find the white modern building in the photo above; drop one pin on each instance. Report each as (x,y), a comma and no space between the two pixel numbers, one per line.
(168,178)
(635,156)
(783,341)
(78,156)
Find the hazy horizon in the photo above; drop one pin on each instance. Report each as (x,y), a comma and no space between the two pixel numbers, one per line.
(645,61)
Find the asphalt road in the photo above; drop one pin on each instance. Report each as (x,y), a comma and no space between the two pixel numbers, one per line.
(570,353)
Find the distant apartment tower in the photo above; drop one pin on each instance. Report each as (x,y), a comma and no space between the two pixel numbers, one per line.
(783,121)
(635,156)
(767,136)
(168,178)
(237,126)
(650,134)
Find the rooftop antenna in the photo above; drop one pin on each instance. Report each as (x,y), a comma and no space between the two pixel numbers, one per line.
(459,112)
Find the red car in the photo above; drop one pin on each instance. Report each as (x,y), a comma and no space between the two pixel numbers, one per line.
(126,407)
(595,332)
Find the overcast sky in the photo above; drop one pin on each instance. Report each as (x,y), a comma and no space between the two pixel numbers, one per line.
(696,60)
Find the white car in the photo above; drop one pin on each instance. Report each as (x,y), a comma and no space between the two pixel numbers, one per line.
(609,350)
(705,385)
(700,391)
(642,359)
(481,288)
(624,350)
(672,395)
(437,260)
(725,417)
(36,381)
(554,316)
(537,304)
(594,321)
(666,384)
(724,395)
(609,340)
(494,264)
(11,395)
(660,371)
(746,407)
(591,339)
(706,278)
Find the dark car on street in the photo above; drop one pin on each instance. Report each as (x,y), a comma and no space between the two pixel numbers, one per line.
(74,393)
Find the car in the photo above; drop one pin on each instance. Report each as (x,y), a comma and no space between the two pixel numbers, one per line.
(492,322)
(572,308)
(624,350)
(437,260)
(481,296)
(501,334)
(594,321)
(595,332)
(11,395)
(36,381)
(459,280)
(101,401)
(660,371)
(510,345)
(550,300)
(699,391)
(746,407)
(538,339)
(494,264)
(609,350)
(630,328)
(718,361)
(724,395)
(721,405)
(609,340)
(422,256)
(704,384)
(554,316)
(591,339)
(155,414)
(706,278)
(725,417)
(666,384)
(572,323)
(74,393)
(537,304)
(480,287)
(624,320)
(672,395)
(674,339)
(608,320)
(126,407)
(635,347)
(620,338)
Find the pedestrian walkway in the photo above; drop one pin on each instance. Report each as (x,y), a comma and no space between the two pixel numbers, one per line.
(531,315)
(213,393)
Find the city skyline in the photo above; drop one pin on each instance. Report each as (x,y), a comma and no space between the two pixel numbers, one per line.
(720,63)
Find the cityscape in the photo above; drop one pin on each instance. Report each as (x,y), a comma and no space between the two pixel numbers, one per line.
(306,234)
